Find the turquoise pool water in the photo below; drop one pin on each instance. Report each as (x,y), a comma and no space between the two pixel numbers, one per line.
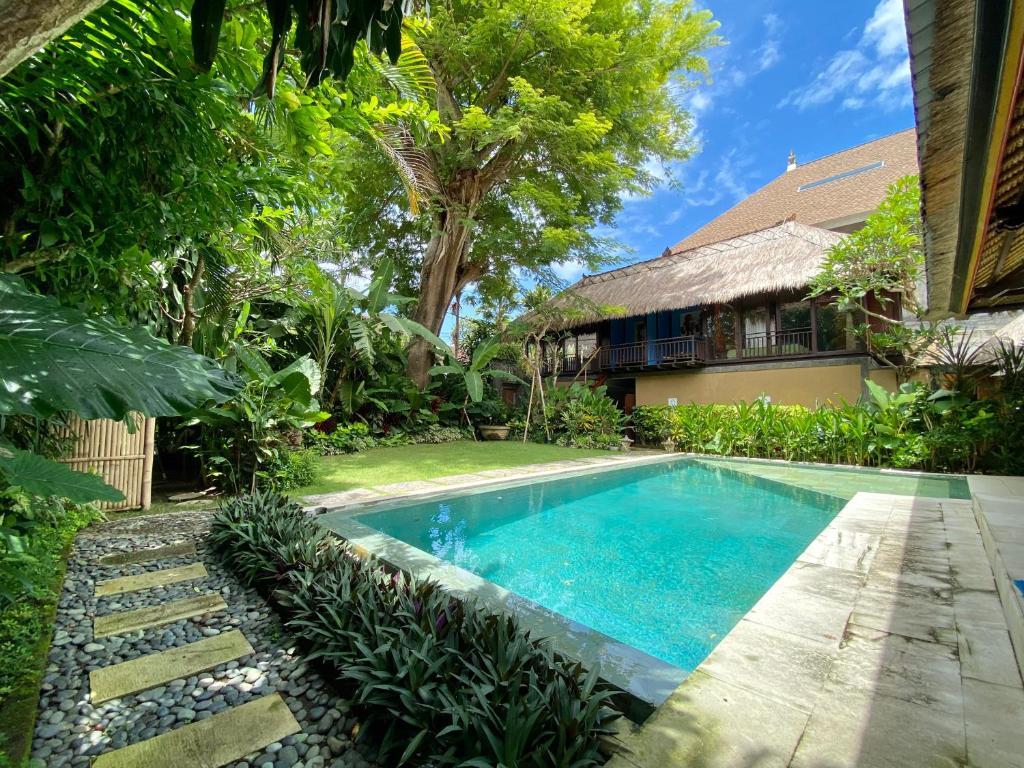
(663,557)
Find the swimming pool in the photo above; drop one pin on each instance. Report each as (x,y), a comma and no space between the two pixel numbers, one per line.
(663,557)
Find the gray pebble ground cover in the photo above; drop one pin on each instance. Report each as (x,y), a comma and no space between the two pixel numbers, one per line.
(70,730)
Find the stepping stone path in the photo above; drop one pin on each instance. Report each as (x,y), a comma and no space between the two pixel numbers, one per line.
(213,742)
(151,579)
(163,667)
(182,667)
(154,616)
(148,555)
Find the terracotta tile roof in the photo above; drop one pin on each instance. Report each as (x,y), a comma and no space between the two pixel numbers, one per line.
(817,204)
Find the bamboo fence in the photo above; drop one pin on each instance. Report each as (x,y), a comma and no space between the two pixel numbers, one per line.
(124,458)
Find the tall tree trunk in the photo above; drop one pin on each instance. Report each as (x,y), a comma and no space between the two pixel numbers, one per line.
(31,24)
(445,272)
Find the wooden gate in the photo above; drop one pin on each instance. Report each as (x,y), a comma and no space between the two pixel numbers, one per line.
(123,458)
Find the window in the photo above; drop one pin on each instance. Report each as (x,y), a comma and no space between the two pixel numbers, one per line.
(720,327)
(840,176)
(833,328)
(756,337)
(795,316)
(586,343)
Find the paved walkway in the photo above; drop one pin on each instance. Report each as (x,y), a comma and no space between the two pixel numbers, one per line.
(883,645)
(162,660)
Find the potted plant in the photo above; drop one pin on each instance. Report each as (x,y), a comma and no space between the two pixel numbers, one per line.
(473,376)
(494,416)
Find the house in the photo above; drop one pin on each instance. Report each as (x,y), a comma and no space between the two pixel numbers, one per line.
(724,316)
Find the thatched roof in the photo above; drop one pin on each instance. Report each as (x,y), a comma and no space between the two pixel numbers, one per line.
(1013,331)
(779,258)
(969,103)
(832,192)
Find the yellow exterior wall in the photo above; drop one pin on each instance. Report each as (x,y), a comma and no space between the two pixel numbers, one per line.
(810,385)
(885,378)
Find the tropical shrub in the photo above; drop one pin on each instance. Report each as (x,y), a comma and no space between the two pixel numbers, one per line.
(248,439)
(583,417)
(910,429)
(331,439)
(299,468)
(442,681)
(352,438)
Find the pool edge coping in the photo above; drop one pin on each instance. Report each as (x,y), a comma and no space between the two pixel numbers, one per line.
(652,683)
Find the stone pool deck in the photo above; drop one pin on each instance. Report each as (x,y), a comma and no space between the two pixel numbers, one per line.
(885,644)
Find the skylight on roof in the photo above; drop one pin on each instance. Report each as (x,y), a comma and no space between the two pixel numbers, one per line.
(839,176)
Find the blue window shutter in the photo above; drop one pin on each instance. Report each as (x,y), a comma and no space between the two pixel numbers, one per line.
(664,324)
(652,334)
(618,333)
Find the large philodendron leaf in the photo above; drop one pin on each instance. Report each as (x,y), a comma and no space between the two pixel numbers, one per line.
(55,358)
(43,477)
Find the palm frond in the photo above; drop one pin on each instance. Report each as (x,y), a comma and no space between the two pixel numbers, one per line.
(411,75)
(411,163)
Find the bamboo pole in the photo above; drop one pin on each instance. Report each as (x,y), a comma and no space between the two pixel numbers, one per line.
(147,463)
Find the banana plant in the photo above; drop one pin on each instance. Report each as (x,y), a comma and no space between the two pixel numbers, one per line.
(249,435)
(344,319)
(472,376)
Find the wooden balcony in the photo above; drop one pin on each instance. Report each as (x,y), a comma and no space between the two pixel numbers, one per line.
(690,351)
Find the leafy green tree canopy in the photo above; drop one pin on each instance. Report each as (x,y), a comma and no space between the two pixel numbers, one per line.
(129,181)
(326,34)
(874,272)
(553,110)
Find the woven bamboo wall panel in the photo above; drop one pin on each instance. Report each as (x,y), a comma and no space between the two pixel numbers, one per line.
(123,458)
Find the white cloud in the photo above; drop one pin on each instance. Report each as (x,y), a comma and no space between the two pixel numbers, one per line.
(769,54)
(875,73)
(358,281)
(699,102)
(731,74)
(726,182)
(886,30)
(569,271)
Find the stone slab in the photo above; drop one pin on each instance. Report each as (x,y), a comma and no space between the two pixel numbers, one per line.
(713,724)
(987,655)
(917,671)
(210,743)
(154,616)
(180,549)
(151,579)
(853,729)
(779,666)
(988,709)
(156,669)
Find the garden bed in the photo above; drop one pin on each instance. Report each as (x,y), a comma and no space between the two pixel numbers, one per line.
(439,680)
(26,629)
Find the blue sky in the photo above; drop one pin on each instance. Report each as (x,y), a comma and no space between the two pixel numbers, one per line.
(813,76)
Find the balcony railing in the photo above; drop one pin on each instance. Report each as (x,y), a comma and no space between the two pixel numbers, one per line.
(684,351)
(681,350)
(778,344)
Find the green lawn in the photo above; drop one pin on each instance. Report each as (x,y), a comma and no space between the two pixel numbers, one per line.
(382,466)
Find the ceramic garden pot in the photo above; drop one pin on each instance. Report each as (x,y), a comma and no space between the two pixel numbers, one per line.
(493,431)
